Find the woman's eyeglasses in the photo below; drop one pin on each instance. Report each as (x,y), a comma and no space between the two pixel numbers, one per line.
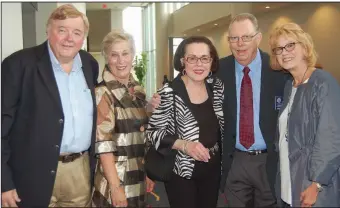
(194,59)
(288,47)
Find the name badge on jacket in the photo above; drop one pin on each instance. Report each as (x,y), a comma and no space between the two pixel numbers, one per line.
(278,102)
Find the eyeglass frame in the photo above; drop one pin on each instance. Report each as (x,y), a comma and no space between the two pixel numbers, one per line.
(200,58)
(242,37)
(284,47)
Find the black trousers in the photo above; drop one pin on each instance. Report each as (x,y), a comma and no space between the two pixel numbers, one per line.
(201,191)
(285,205)
(247,183)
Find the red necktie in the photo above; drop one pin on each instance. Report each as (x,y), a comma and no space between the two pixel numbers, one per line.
(246,111)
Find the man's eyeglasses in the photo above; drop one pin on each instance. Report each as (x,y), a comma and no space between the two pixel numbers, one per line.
(194,59)
(245,38)
(288,47)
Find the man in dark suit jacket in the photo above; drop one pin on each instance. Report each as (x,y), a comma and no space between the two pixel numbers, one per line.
(49,118)
(253,96)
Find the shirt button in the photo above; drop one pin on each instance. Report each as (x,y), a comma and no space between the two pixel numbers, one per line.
(52,172)
(61,121)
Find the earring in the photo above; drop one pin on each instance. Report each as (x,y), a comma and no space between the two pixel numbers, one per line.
(209,78)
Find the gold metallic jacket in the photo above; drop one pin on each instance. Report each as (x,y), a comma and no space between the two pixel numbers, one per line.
(120,131)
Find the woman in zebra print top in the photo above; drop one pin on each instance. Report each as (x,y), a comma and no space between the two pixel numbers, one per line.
(199,121)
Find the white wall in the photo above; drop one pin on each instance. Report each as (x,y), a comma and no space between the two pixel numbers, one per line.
(11,29)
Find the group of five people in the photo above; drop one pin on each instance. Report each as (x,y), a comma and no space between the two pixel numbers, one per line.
(263,129)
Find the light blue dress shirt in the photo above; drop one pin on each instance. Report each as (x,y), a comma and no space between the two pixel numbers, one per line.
(255,75)
(77,105)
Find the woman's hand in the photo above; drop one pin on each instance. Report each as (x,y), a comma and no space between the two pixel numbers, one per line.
(309,196)
(154,102)
(149,185)
(118,197)
(197,151)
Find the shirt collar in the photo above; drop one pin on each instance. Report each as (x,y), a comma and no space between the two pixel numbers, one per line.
(77,63)
(252,66)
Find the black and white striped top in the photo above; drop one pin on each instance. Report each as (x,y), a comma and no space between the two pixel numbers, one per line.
(161,128)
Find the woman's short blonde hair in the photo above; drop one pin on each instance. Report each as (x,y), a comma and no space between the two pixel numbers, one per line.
(68,11)
(294,31)
(117,36)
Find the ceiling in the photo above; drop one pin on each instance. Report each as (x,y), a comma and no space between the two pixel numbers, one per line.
(257,8)
(261,6)
(112,5)
(221,22)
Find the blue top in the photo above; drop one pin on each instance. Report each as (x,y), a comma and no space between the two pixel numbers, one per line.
(255,75)
(77,105)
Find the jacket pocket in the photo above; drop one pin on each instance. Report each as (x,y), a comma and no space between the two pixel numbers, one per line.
(294,156)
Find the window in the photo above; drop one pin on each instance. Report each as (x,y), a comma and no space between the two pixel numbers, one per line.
(149,46)
(173,44)
(132,23)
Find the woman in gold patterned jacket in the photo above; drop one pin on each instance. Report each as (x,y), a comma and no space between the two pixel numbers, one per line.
(120,179)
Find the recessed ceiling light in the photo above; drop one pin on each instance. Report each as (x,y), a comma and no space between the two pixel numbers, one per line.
(215,24)
(267,7)
(198,30)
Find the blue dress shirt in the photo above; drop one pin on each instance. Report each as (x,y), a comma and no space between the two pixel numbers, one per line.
(255,75)
(77,105)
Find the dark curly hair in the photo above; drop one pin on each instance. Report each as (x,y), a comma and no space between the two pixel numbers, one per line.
(195,39)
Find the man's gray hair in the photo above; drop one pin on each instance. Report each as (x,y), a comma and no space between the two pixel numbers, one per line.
(245,16)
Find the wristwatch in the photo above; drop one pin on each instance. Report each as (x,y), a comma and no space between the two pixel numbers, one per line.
(320,188)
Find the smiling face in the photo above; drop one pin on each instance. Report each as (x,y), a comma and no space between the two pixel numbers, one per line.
(66,37)
(197,70)
(244,52)
(119,58)
(293,55)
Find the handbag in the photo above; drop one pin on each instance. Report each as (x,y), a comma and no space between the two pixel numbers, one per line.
(158,167)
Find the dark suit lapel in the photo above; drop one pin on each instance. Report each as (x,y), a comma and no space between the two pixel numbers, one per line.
(86,67)
(230,88)
(265,90)
(286,95)
(46,71)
